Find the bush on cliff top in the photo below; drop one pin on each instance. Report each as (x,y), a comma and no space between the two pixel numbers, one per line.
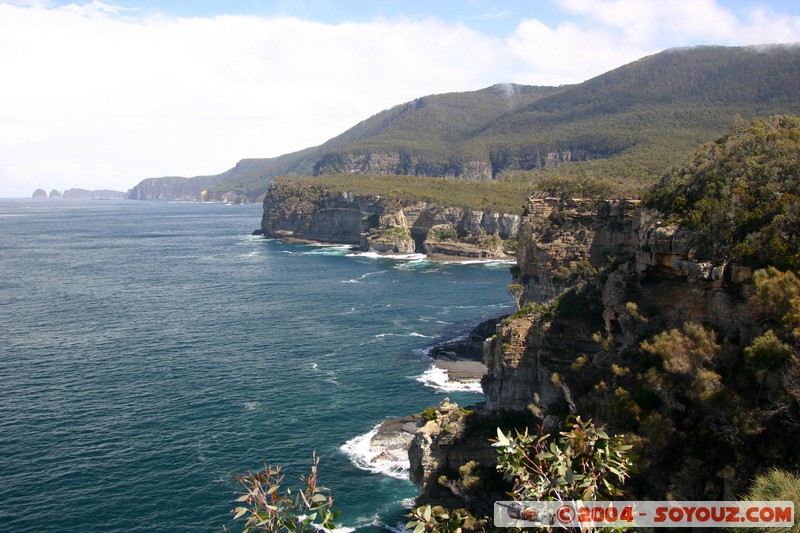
(741,194)
(502,197)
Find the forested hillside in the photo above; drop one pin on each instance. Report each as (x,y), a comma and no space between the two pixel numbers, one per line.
(623,128)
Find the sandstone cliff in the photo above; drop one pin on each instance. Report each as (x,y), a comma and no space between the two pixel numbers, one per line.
(385,225)
(601,288)
(485,168)
(646,267)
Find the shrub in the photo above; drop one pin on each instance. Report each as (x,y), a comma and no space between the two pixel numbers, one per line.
(775,485)
(429,413)
(777,300)
(684,351)
(270,509)
(740,194)
(581,463)
(688,356)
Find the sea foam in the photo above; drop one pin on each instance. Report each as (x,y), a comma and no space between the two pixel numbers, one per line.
(387,457)
(395,257)
(439,379)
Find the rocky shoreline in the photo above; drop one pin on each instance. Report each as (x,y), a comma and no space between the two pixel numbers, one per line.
(386,226)
(385,449)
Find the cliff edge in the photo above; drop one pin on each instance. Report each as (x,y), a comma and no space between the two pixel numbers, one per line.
(379,224)
(678,327)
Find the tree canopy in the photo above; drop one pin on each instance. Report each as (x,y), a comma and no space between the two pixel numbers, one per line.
(741,194)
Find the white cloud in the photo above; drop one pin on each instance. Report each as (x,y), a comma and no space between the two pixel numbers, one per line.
(116,99)
(99,97)
(603,34)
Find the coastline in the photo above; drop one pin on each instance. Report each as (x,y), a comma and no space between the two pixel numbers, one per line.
(356,251)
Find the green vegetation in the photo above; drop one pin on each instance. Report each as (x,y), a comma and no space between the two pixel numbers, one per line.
(777,301)
(581,463)
(502,197)
(686,389)
(270,508)
(615,133)
(570,275)
(741,194)
(443,234)
(775,485)
(688,357)
(429,413)
(397,233)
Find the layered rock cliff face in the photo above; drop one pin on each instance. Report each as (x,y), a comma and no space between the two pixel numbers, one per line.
(384,225)
(594,280)
(472,169)
(561,240)
(646,267)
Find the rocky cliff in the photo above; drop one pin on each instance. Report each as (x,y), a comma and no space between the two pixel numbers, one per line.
(620,322)
(602,267)
(384,225)
(402,162)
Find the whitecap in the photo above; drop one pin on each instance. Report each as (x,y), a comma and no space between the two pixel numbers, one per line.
(341,529)
(422,352)
(378,458)
(328,376)
(323,249)
(363,277)
(400,527)
(317,527)
(498,263)
(415,334)
(415,264)
(439,379)
(251,406)
(394,257)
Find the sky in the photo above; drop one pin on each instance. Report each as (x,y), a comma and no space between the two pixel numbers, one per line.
(100,95)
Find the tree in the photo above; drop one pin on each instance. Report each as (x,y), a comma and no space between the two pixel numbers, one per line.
(741,194)
(777,301)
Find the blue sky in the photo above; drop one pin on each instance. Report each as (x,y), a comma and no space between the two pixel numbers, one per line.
(104,94)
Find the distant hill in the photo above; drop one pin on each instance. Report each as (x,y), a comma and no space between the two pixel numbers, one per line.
(626,126)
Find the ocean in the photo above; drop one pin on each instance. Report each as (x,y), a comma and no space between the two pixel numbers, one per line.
(149,351)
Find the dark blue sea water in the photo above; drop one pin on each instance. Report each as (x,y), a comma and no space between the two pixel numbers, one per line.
(148,351)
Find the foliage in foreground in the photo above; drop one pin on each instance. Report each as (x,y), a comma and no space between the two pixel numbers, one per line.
(581,463)
(775,485)
(268,508)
